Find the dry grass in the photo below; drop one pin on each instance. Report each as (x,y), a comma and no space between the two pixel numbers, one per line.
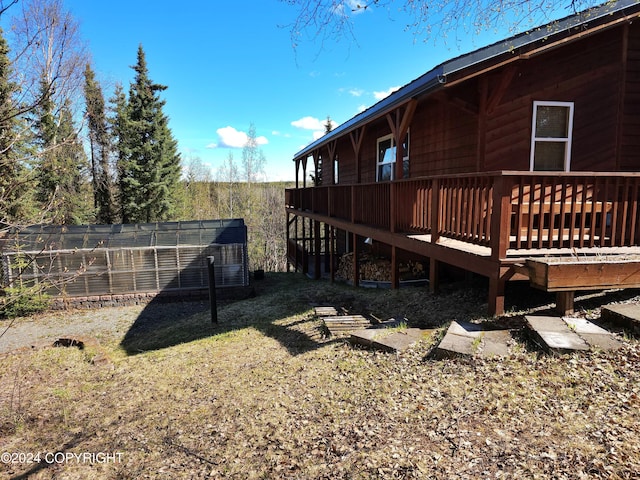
(266,395)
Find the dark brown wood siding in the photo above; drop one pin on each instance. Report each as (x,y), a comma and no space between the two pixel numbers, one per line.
(586,73)
(630,138)
(442,139)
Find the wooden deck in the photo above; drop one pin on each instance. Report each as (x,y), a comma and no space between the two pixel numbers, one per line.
(488,224)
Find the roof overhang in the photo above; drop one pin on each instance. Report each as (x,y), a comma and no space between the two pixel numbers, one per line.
(468,65)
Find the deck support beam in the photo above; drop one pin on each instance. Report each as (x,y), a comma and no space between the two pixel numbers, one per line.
(564,302)
(332,252)
(497,284)
(434,275)
(317,248)
(395,270)
(356,262)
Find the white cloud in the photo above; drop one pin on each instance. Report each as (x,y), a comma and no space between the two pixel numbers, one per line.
(308,123)
(356,92)
(385,94)
(229,137)
(277,133)
(316,125)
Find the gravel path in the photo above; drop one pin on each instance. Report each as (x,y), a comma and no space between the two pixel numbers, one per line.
(44,329)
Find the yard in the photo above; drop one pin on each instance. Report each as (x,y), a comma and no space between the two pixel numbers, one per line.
(265,394)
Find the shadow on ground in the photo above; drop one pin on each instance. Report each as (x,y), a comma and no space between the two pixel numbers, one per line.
(162,325)
(282,307)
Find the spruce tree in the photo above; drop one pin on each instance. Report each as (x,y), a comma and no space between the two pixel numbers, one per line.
(61,162)
(100,146)
(119,125)
(150,165)
(16,199)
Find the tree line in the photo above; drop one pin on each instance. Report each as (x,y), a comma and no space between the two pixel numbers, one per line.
(70,156)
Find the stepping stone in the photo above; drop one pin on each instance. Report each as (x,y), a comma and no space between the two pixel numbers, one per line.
(390,336)
(464,338)
(554,335)
(345,324)
(625,315)
(597,337)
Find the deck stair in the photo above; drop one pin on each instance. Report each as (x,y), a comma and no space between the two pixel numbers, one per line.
(565,335)
(338,323)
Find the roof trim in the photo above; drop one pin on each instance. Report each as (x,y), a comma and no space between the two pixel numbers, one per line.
(436,78)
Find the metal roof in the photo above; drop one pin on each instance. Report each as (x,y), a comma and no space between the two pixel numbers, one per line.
(436,78)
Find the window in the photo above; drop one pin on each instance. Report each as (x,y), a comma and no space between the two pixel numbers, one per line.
(387,158)
(551,136)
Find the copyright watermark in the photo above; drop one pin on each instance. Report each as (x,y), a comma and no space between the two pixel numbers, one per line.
(61,457)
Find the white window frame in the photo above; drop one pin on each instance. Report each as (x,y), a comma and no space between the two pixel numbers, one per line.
(566,140)
(405,157)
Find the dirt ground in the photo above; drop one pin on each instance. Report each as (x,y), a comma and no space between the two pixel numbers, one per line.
(267,394)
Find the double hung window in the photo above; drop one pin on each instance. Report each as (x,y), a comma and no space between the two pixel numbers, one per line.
(386,162)
(551,136)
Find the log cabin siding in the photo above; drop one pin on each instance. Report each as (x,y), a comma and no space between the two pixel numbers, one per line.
(630,136)
(443,140)
(584,73)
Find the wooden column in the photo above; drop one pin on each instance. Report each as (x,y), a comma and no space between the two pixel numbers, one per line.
(356,263)
(305,259)
(356,142)
(317,248)
(500,229)
(331,147)
(316,166)
(327,248)
(395,269)
(434,275)
(399,125)
(564,302)
(332,252)
(434,265)
(304,172)
(496,291)
(286,248)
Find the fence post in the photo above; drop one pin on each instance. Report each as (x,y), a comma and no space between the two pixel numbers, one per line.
(212,289)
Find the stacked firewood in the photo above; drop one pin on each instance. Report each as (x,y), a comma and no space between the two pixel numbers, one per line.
(377,269)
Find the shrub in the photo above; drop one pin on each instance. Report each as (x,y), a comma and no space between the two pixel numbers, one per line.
(21,301)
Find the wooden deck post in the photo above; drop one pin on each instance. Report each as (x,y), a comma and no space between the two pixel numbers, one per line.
(497,283)
(564,302)
(434,274)
(332,251)
(317,247)
(434,265)
(356,264)
(395,270)
(500,226)
(327,248)
(305,255)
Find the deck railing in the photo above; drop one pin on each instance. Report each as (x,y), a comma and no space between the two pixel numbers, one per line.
(501,210)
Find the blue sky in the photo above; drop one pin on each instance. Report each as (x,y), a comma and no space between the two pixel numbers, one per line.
(228,65)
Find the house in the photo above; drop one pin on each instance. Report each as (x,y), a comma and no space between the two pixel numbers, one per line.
(492,162)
